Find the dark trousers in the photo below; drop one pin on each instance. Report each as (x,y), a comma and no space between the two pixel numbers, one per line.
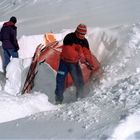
(8,53)
(76,74)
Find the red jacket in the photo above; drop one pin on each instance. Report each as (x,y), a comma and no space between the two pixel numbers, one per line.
(71,53)
(74,49)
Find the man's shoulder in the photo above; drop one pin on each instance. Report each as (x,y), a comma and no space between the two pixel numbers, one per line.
(70,34)
(14,27)
(9,28)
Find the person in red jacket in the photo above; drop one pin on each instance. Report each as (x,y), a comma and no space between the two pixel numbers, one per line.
(75,49)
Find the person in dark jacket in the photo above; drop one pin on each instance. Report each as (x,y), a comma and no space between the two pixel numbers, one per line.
(75,48)
(8,36)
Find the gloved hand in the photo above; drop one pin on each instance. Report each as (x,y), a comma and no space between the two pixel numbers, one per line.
(89,66)
(16,49)
(82,60)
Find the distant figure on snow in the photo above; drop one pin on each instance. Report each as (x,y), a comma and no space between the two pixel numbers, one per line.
(8,36)
(75,48)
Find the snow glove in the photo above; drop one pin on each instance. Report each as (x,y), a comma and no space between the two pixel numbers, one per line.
(16,49)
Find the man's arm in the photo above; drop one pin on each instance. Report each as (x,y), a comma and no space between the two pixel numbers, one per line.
(14,39)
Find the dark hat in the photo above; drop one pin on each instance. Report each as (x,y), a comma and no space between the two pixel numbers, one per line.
(81,29)
(13,19)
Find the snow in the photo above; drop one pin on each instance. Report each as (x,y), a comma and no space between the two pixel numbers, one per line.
(111,109)
(130,133)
